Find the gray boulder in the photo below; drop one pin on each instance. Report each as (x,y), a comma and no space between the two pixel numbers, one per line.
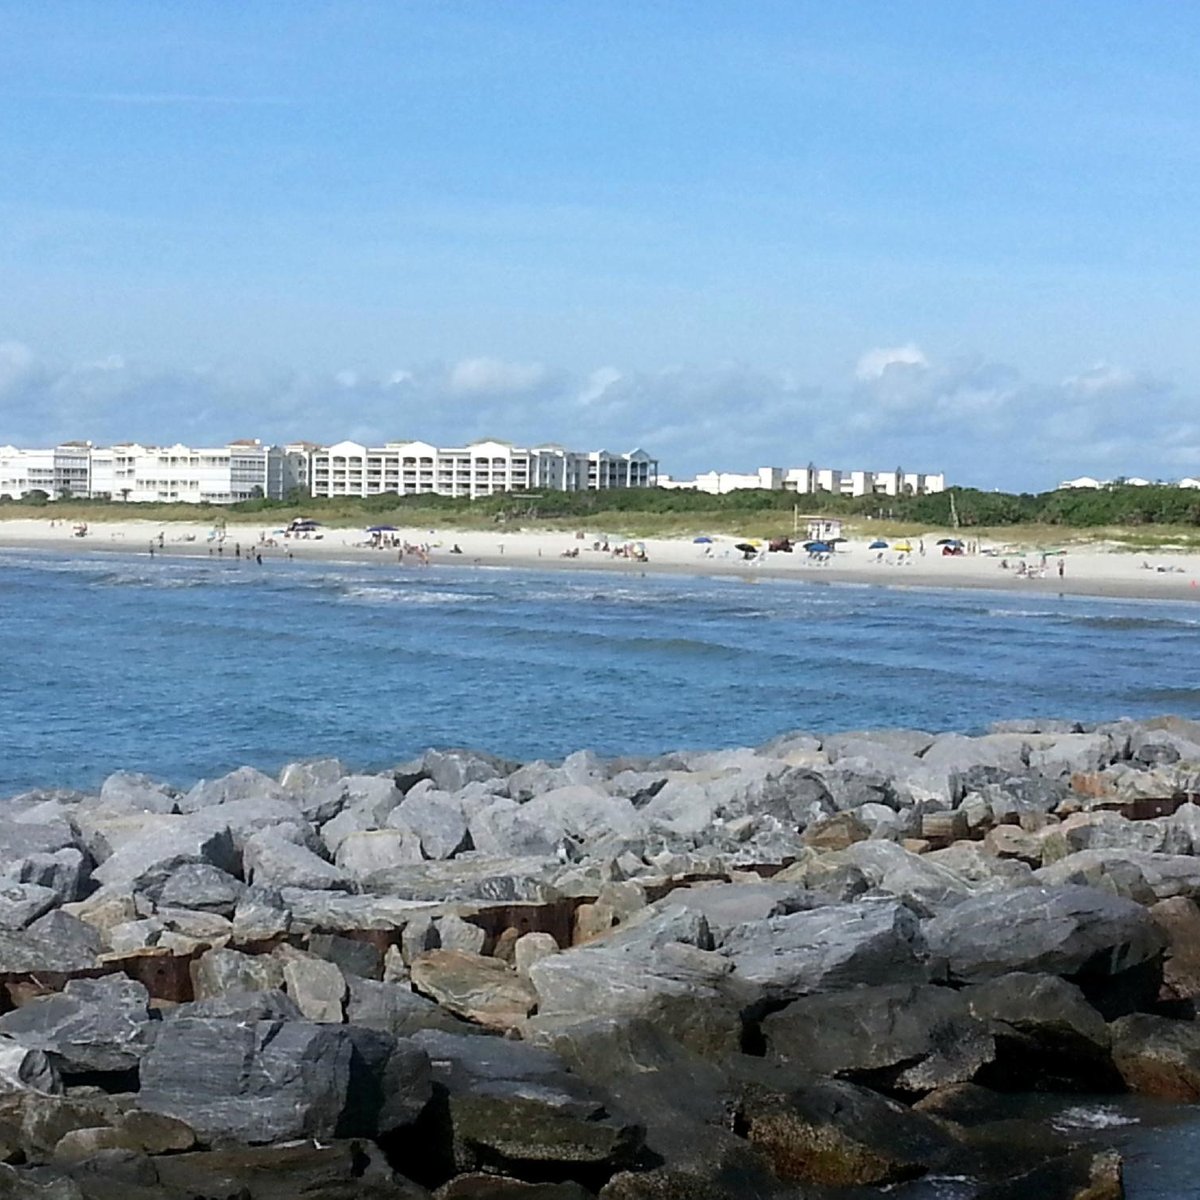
(127,791)
(397,1009)
(505,830)
(53,944)
(93,1025)
(452,770)
(687,992)
(169,843)
(22,1068)
(22,903)
(243,784)
(363,852)
(896,1037)
(1046,1034)
(223,972)
(435,819)
(1157,1056)
(842,945)
(198,886)
(272,862)
(1069,931)
(249,1082)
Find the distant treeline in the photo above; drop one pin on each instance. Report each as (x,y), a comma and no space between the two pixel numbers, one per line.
(1074,508)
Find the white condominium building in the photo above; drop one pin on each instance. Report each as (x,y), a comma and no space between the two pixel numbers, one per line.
(199,475)
(811,480)
(246,469)
(479,469)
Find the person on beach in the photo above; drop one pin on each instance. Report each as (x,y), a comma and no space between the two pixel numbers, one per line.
(1062,566)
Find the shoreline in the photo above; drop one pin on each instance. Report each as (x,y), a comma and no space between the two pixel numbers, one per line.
(1089,572)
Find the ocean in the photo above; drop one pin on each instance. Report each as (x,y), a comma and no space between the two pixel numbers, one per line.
(188,667)
(185,668)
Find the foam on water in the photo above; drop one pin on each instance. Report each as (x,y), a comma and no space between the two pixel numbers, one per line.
(1093,1116)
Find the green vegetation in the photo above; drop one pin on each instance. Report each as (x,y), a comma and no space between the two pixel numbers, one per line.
(1138,517)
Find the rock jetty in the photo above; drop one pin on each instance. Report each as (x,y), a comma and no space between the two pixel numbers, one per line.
(804,969)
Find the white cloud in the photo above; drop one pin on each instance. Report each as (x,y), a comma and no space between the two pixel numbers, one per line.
(1105,379)
(495,377)
(598,384)
(16,363)
(980,421)
(876,363)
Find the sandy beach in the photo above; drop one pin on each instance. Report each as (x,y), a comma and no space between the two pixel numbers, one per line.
(1088,570)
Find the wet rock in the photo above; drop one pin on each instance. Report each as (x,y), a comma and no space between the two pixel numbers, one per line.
(478,1186)
(834,1133)
(1158,1056)
(478,989)
(324,1168)
(516,1135)
(92,1026)
(1047,1034)
(1077,1175)
(897,1037)
(1179,920)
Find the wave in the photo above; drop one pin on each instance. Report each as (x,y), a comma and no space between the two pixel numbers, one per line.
(384,594)
(1092,1116)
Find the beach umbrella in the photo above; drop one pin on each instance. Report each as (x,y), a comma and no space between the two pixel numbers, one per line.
(878,544)
(746,548)
(903,547)
(702,540)
(837,541)
(382,529)
(948,542)
(818,547)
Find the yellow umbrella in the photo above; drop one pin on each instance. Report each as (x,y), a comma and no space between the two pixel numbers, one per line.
(902,547)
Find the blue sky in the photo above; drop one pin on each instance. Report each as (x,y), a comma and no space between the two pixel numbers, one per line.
(944,235)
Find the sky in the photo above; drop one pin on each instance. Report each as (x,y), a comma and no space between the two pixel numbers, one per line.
(951,235)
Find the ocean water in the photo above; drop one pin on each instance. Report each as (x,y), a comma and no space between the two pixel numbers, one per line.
(188,667)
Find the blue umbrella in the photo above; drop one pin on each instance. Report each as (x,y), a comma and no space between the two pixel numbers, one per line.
(818,547)
(702,539)
(878,544)
(382,529)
